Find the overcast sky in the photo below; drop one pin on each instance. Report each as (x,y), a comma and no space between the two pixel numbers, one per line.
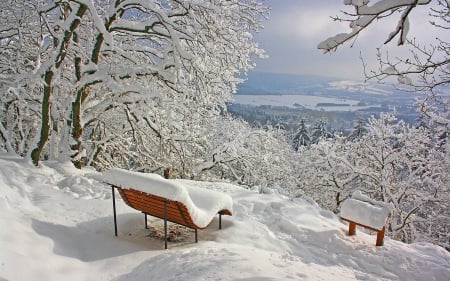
(295,28)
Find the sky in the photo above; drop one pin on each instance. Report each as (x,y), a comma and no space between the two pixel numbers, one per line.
(295,28)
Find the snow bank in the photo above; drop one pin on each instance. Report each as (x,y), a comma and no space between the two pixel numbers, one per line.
(366,211)
(202,204)
(51,234)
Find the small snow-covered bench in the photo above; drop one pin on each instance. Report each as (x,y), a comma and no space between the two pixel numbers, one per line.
(168,200)
(366,212)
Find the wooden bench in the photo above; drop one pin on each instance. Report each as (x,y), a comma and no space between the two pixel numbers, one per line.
(366,212)
(167,209)
(159,207)
(352,230)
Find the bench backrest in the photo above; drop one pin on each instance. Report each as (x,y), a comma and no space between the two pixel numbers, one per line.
(154,205)
(152,194)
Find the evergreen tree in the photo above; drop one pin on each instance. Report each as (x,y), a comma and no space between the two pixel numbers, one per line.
(301,138)
(359,130)
(320,131)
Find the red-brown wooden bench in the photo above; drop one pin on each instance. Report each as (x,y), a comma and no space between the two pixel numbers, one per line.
(161,207)
(366,212)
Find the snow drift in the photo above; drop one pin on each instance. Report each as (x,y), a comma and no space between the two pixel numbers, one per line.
(57,225)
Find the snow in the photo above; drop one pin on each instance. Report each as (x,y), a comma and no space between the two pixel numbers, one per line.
(358,86)
(390,70)
(57,225)
(402,79)
(366,14)
(202,204)
(364,210)
(293,101)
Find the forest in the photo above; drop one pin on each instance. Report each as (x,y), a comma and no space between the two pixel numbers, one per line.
(144,86)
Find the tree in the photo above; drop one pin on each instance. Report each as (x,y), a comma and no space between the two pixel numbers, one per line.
(23,45)
(425,68)
(112,57)
(359,130)
(301,137)
(430,62)
(320,132)
(250,156)
(409,166)
(393,162)
(325,174)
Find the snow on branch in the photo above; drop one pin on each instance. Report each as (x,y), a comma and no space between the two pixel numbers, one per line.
(365,15)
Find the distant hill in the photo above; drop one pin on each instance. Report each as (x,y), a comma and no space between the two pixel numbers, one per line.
(266,83)
(281,83)
(275,89)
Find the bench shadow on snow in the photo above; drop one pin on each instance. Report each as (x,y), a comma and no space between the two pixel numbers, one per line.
(94,240)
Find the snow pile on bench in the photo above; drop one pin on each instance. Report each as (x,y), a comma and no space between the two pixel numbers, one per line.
(202,204)
(366,211)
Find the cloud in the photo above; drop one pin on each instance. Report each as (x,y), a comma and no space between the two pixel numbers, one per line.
(291,36)
(302,19)
(295,28)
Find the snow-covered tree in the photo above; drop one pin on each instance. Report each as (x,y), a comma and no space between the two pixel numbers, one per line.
(425,68)
(324,173)
(301,137)
(393,162)
(359,130)
(250,156)
(430,62)
(22,46)
(320,131)
(417,190)
(391,159)
(103,56)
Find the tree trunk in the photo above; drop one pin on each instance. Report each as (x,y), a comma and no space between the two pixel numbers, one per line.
(77,127)
(45,119)
(63,45)
(4,135)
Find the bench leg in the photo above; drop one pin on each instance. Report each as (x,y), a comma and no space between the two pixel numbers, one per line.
(145,220)
(114,210)
(351,228)
(196,237)
(380,237)
(220,221)
(165,225)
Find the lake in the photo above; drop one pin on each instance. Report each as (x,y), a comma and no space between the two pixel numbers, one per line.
(295,101)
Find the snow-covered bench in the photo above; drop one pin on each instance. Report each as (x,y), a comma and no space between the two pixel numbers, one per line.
(168,200)
(366,212)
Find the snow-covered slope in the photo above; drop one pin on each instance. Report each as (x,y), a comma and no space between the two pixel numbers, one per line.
(360,87)
(56,224)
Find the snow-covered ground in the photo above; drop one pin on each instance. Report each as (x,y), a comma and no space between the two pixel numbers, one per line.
(359,86)
(56,224)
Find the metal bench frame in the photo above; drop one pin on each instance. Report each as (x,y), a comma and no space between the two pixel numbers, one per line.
(159,207)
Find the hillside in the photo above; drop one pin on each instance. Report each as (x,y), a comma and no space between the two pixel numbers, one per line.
(288,98)
(57,225)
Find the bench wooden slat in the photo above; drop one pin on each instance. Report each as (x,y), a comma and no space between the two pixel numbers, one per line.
(172,215)
(154,205)
(352,226)
(360,224)
(160,207)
